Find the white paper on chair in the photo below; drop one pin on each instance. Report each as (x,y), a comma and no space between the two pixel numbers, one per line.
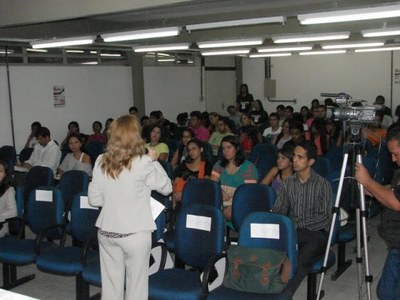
(156,208)
(21,169)
(85,203)
(43,195)
(198,222)
(264,231)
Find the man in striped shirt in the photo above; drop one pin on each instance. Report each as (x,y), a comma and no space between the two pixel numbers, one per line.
(306,198)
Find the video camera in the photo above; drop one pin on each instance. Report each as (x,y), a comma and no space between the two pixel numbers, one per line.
(348,110)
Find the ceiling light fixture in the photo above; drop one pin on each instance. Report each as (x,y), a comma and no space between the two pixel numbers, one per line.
(226,52)
(392,48)
(54,43)
(90,63)
(166,47)
(37,50)
(110,54)
(2,51)
(323,52)
(233,23)
(166,59)
(310,37)
(141,34)
(381,32)
(230,43)
(353,45)
(74,51)
(283,49)
(380,12)
(270,55)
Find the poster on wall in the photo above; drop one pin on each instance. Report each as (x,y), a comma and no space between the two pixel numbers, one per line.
(59,95)
(397,76)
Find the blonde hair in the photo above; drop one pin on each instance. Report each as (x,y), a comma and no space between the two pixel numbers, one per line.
(124,144)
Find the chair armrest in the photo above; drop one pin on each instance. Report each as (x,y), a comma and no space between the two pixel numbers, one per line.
(41,236)
(214,272)
(88,244)
(21,225)
(158,260)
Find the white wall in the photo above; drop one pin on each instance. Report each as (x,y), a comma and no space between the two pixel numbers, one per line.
(92,93)
(362,75)
(172,90)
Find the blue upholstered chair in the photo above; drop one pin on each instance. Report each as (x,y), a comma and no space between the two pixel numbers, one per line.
(199,241)
(251,197)
(71,183)
(285,240)
(37,176)
(66,261)
(45,211)
(322,166)
(265,163)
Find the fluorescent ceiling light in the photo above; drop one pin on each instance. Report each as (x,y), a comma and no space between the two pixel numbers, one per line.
(393,48)
(166,47)
(165,59)
(2,51)
(230,43)
(283,49)
(110,54)
(141,34)
(93,52)
(36,50)
(53,43)
(270,54)
(74,51)
(90,63)
(225,52)
(381,32)
(323,52)
(236,23)
(381,12)
(311,37)
(353,45)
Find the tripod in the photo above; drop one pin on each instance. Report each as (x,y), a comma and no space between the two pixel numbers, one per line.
(361,215)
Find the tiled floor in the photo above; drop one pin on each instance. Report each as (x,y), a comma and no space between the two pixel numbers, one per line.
(50,287)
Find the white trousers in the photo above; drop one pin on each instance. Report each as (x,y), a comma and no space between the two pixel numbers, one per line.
(119,255)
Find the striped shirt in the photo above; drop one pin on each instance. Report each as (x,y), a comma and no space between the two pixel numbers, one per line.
(308,204)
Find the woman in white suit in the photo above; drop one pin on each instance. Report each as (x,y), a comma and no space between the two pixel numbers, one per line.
(123,178)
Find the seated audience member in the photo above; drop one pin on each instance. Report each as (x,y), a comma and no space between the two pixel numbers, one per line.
(289,112)
(156,142)
(244,99)
(274,129)
(297,134)
(205,120)
(258,115)
(97,136)
(283,168)
(181,124)
(32,141)
(306,198)
(375,132)
(213,118)
(73,127)
(234,115)
(280,110)
(8,205)
(322,112)
(134,111)
(76,159)
(107,126)
(194,166)
(315,103)
(305,113)
(146,124)
(249,136)
(284,136)
(199,130)
(232,171)
(319,136)
(334,131)
(221,132)
(181,153)
(46,153)
(387,119)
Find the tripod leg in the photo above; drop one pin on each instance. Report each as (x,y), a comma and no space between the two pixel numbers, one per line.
(333,222)
(361,218)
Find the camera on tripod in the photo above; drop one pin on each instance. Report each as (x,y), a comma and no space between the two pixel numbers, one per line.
(352,111)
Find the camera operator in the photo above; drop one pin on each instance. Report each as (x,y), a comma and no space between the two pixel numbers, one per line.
(389,228)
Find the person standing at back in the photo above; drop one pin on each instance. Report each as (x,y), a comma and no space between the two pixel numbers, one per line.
(123,178)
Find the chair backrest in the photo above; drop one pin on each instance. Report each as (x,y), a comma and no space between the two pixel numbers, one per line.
(207,149)
(265,162)
(14,225)
(322,166)
(83,217)
(272,231)
(8,152)
(261,149)
(199,234)
(202,191)
(37,176)
(94,149)
(251,197)
(335,156)
(45,208)
(71,183)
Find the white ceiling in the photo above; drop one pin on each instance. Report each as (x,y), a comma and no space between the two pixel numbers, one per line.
(22,21)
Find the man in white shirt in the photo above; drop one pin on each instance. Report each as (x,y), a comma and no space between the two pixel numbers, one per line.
(46,153)
(274,129)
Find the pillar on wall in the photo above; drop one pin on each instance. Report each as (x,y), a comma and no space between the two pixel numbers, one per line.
(138,83)
(239,72)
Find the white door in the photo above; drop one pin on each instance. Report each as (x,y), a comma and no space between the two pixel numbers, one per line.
(220,90)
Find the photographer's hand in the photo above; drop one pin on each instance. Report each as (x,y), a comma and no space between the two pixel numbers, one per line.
(361,174)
